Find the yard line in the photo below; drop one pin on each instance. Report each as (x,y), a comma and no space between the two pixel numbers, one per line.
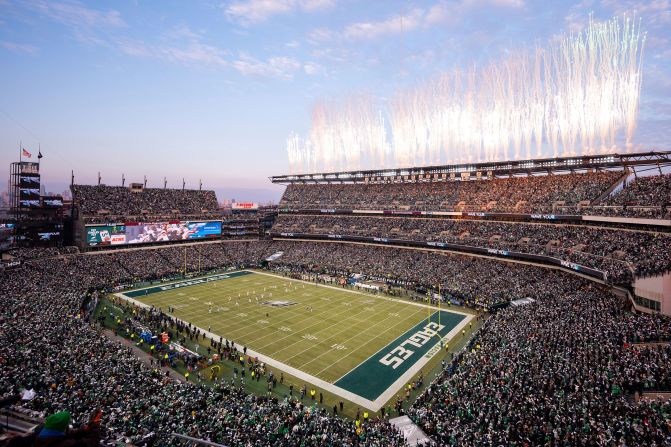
(361,361)
(292,317)
(384,298)
(199,313)
(304,329)
(414,315)
(345,341)
(337,323)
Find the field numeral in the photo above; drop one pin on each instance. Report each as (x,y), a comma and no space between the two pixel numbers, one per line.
(309,337)
(338,347)
(241,314)
(262,321)
(346,303)
(393,314)
(284,329)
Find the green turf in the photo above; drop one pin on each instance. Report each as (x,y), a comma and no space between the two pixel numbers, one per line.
(343,329)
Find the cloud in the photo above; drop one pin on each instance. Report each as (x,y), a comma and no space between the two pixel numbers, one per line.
(247,12)
(182,45)
(393,25)
(439,13)
(74,14)
(22,48)
(319,35)
(87,25)
(179,45)
(313,68)
(654,12)
(276,66)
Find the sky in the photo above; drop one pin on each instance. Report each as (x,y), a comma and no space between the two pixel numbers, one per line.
(211,89)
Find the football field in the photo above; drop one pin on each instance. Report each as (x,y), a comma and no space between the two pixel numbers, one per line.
(361,346)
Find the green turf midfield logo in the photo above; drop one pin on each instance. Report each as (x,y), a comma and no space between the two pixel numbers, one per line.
(375,375)
(279,303)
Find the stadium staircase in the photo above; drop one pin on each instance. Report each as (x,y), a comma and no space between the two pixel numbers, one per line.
(195,441)
(126,269)
(612,188)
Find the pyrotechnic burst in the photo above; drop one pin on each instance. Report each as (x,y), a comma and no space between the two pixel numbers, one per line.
(579,95)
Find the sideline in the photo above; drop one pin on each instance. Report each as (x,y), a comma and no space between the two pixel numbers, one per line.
(143,357)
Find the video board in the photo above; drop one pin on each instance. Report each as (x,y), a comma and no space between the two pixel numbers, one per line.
(150,232)
(144,233)
(203,230)
(105,235)
(48,236)
(29,193)
(52,201)
(29,203)
(29,181)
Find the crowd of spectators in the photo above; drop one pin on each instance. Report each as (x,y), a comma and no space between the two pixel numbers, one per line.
(473,281)
(516,194)
(560,367)
(643,196)
(558,372)
(26,253)
(98,201)
(613,250)
(50,347)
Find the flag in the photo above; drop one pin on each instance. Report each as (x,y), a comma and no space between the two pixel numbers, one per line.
(26,153)
(39,155)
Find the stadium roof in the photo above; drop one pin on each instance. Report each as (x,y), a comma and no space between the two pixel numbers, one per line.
(493,169)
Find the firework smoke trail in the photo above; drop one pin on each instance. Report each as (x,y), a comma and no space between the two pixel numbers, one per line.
(579,95)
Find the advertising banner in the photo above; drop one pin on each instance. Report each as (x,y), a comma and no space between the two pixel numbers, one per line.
(105,235)
(245,206)
(202,230)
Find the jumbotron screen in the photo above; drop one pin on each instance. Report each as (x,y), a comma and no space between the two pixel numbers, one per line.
(29,181)
(149,232)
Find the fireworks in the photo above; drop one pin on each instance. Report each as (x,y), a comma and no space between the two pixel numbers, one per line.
(579,95)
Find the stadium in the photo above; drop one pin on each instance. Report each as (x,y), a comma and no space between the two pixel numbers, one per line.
(479,283)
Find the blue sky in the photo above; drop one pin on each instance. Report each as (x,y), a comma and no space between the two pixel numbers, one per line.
(212,89)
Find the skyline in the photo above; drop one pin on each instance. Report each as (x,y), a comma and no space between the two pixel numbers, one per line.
(212,90)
